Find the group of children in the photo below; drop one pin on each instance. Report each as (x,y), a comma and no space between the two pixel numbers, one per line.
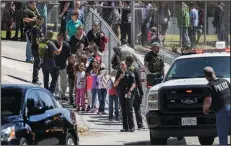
(88,79)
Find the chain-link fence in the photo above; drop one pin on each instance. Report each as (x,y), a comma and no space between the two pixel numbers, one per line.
(173,23)
(183,24)
(14,11)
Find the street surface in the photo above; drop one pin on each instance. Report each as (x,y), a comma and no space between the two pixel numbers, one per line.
(101,131)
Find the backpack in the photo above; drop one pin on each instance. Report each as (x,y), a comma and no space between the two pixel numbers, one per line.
(43,50)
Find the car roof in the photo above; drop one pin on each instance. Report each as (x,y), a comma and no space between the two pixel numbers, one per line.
(23,87)
(223,54)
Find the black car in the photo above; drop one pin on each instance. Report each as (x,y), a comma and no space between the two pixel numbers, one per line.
(31,115)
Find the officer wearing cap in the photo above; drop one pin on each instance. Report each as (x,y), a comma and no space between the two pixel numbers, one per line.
(138,92)
(153,61)
(47,52)
(125,83)
(218,100)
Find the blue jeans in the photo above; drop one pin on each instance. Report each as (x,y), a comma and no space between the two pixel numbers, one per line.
(44,26)
(185,38)
(102,93)
(28,49)
(113,99)
(223,124)
(94,93)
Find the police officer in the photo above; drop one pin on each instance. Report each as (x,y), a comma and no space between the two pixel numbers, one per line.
(47,49)
(218,101)
(153,60)
(29,18)
(125,82)
(138,92)
(35,38)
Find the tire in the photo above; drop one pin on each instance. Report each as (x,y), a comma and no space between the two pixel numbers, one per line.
(206,140)
(157,141)
(69,140)
(23,141)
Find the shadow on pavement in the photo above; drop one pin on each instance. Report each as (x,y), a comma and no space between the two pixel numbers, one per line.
(171,141)
(109,124)
(14,59)
(21,79)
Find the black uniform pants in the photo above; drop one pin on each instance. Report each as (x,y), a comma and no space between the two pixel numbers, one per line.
(136,106)
(54,75)
(125,29)
(127,112)
(63,25)
(36,64)
(19,26)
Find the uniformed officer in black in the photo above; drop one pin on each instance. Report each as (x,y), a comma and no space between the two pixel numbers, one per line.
(36,35)
(218,101)
(138,92)
(48,61)
(153,61)
(125,82)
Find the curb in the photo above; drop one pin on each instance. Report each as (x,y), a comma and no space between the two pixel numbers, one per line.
(81,125)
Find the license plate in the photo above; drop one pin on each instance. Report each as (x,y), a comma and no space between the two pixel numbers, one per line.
(189,121)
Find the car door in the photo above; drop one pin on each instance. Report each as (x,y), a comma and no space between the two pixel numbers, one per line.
(35,122)
(55,117)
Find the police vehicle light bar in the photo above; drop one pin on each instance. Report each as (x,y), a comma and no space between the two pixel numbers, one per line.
(201,51)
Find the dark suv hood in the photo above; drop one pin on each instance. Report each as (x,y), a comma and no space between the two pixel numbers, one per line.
(9,120)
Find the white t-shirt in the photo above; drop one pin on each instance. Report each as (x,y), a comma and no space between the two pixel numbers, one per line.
(81,80)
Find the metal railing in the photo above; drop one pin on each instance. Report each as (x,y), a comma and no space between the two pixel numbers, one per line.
(92,15)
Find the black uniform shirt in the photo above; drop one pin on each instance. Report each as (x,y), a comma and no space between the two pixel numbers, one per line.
(126,82)
(35,33)
(28,13)
(220,94)
(155,62)
(137,78)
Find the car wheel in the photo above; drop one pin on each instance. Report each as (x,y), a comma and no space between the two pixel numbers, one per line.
(206,140)
(69,140)
(157,140)
(23,141)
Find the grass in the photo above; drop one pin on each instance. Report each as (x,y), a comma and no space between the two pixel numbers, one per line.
(176,38)
(3,34)
(172,40)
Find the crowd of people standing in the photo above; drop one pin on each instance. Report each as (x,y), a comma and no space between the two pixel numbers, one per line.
(74,59)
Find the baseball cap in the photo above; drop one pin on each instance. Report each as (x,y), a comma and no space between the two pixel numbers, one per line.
(156,44)
(50,34)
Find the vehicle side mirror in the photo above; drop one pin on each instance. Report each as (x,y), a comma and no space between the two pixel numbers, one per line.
(153,79)
(36,110)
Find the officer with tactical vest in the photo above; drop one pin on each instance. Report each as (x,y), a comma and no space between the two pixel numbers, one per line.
(153,61)
(36,35)
(47,52)
(138,92)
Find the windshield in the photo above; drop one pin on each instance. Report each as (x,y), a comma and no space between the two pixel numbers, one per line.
(193,67)
(11,102)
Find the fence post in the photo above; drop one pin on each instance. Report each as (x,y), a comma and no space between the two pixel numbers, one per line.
(205,22)
(109,53)
(57,19)
(133,25)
